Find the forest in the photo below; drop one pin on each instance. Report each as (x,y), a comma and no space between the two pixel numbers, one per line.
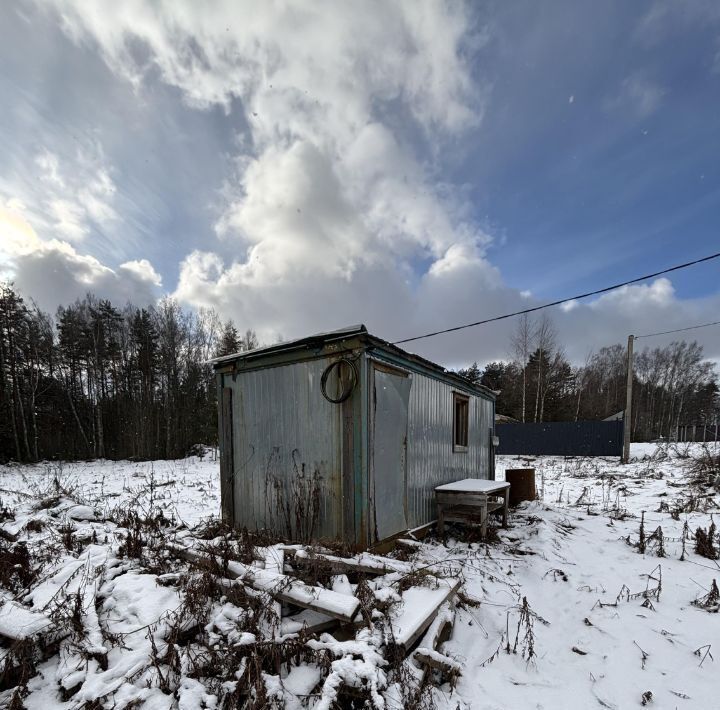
(673,385)
(99,381)
(105,382)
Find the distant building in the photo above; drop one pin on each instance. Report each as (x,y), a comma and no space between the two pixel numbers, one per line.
(344,436)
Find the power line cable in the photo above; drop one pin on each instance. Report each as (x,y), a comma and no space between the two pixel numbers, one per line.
(563,300)
(678,330)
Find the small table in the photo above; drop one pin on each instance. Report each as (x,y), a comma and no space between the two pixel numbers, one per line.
(467,500)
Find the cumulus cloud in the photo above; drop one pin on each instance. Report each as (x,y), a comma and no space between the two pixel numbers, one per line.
(143,270)
(336,182)
(321,59)
(639,309)
(336,211)
(53,272)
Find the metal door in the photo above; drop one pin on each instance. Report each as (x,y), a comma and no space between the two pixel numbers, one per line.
(391,393)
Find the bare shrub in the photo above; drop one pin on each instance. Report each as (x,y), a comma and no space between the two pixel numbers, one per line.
(711,601)
(16,566)
(705,542)
(297,505)
(524,632)
(5,512)
(705,468)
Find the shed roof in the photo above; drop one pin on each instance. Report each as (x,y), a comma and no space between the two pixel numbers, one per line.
(318,341)
(309,341)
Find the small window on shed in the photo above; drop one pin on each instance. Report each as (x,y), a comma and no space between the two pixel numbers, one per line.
(461,411)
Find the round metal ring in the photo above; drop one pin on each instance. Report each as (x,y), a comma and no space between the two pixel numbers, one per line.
(348,387)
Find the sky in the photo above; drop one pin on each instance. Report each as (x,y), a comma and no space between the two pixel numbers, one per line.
(411,165)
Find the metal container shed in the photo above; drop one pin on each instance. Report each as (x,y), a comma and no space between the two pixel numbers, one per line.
(344,436)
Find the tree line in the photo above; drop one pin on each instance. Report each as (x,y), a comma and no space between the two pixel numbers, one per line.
(673,385)
(100,380)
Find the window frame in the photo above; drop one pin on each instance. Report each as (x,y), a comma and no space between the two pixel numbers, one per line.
(460,423)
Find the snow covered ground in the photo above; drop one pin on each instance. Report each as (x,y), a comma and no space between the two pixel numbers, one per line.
(562,610)
(188,489)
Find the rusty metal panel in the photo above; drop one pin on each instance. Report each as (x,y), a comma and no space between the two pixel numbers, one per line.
(287,449)
(431,460)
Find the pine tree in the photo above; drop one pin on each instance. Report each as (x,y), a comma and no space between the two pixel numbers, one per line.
(229,341)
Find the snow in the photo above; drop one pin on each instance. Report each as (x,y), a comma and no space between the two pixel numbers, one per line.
(18,622)
(132,602)
(562,610)
(579,561)
(188,489)
(473,485)
(418,604)
(81,512)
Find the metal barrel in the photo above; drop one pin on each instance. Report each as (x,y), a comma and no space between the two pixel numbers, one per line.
(522,484)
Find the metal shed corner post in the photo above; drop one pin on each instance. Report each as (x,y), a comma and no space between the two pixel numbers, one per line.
(227,478)
(491,450)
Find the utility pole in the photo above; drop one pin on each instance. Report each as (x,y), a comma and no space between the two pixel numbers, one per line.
(627,416)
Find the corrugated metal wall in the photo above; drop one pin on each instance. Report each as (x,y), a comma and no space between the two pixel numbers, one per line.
(287,444)
(288,450)
(431,460)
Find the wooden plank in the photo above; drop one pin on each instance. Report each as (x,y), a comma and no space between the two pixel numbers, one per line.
(365,562)
(282,587)
(419,606)
(313,622)
(474,485)
(438,661)
(439,629)
(411,544)
(227,478)
(427,654)
(469,498)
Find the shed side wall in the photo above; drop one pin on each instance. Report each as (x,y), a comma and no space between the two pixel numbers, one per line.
(287,448)
(431,460)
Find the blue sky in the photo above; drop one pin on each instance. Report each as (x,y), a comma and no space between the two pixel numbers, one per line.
(600,145)
(408,165)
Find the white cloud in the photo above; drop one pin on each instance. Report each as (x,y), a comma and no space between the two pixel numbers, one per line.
(53,272)
(78,192)
(638,94)
(658,294)
(336,212)
(715,64)
(330,184)
(69,219)
(666,17)
(50,166)
(69,195)
(321,59)
(18,237)
(143,270)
